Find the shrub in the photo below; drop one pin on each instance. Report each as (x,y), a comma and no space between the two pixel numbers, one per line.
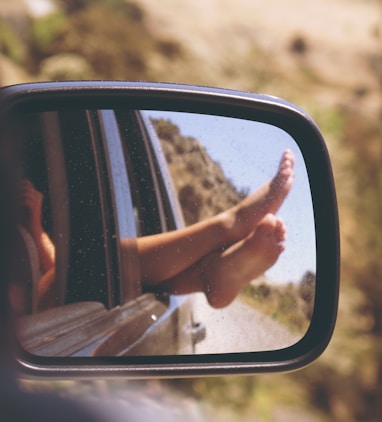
(10,44)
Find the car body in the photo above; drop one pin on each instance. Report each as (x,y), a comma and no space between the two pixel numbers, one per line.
(84,173)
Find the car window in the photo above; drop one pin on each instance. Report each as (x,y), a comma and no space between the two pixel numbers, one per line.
(59,163)
(141,173)
(103,186)
(88,269)
(102,183)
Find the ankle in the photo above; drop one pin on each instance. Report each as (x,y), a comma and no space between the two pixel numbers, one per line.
(229,226)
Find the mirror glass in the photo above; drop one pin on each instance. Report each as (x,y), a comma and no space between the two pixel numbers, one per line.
(146,232)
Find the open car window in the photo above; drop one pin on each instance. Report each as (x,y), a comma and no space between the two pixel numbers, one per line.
(59,166)
(93,301)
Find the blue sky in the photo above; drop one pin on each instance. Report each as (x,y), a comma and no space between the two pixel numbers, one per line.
(249,153)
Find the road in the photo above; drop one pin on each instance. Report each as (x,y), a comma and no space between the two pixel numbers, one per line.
(239,328)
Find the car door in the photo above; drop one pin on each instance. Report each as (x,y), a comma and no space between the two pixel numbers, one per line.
(143,194)
(94,199)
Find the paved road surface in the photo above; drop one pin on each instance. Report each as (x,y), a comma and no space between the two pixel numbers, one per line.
(239,328)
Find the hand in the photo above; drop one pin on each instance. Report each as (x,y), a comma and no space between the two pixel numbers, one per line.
(30,200)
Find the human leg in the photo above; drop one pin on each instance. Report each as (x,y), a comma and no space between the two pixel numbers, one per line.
(222,274)
(165,255)
(244,217)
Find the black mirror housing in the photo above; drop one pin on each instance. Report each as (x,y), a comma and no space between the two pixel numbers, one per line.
(21,100)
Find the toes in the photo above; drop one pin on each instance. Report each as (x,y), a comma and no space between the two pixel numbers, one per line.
(280,230)
(267,225)
(272,226)
(286,167)
(288,155)
(285,171)
(281,248)
(280,234)
(287,161)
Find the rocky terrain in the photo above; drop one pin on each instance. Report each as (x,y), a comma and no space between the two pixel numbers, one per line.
(202,187)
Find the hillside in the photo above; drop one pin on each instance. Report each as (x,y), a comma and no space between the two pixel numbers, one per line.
(331,47)
(203,189)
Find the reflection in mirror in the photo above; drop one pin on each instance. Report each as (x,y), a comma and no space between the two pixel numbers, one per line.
(156,232)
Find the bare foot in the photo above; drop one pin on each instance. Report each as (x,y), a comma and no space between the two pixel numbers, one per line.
(225,273)
(243,218)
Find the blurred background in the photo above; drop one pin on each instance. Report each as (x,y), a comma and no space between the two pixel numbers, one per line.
(323,55)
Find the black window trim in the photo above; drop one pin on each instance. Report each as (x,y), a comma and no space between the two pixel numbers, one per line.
(123,210)
(168,220)
(108,220)
(57,182)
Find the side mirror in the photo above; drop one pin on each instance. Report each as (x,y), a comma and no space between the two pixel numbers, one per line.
(169,230)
